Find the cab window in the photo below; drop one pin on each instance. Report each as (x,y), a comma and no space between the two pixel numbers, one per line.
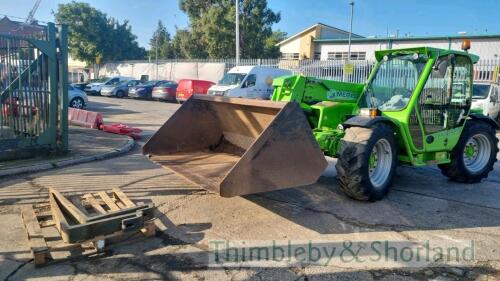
(250,81)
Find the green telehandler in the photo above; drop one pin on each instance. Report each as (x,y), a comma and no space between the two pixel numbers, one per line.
(413,110)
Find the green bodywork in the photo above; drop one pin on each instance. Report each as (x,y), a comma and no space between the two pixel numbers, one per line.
(329,104)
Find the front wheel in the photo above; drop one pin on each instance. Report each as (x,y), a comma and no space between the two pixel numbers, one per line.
(77,103)
(474,155)
(367,162)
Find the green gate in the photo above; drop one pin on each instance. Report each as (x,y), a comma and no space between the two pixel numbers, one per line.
(34,93)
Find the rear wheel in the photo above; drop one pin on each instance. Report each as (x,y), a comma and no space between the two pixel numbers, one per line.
(367,162)
(474,155)
(120,94)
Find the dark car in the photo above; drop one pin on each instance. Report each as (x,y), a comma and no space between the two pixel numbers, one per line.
(144,90)
(119,90)
(165,91)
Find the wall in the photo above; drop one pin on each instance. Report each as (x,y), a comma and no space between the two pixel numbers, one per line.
(292,46)
(306,50)
(369,48)
(167,71)
(485,48)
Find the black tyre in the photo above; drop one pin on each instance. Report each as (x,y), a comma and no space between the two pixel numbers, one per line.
(367,162)
(77,102)
(474,155)
(120,94)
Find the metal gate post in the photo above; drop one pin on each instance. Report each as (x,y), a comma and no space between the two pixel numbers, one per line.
(53,87)
(63,88)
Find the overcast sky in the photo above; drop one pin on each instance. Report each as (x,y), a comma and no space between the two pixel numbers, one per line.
(371,17)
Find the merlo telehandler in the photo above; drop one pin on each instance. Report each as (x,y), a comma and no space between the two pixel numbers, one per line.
(413,110)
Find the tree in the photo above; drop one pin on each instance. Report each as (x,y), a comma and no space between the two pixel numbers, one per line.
(161,38)
(96,38)
(187,45)
(271,50)
(212,25)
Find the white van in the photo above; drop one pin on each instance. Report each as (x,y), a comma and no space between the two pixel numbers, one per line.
(253,82)
(485,100)
(96,85)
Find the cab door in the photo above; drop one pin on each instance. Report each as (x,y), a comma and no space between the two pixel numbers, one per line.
(444,102)
(249,87)
(493,105)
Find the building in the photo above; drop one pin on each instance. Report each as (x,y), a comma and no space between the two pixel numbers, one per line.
(302,45)
(8,26)
(333,44)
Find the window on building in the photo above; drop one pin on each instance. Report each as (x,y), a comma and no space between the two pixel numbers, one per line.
(345,55)
(290,56)
(317,56)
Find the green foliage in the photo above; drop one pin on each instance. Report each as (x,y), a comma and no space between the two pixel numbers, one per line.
(161,39)
(212,29)
(96,38)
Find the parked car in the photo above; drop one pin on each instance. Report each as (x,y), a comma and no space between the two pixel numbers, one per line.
(189,87)
(486,99)
(77,98)
(119,90)
(144,90)
(165,91)
(254,82)
(95,87)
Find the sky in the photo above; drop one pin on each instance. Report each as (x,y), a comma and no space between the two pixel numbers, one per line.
(371,17)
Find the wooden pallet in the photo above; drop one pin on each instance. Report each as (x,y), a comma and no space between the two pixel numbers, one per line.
(83,222)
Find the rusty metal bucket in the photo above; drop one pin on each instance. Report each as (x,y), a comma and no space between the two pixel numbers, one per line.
(238,146)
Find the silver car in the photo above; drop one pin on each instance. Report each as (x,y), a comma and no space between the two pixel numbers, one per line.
(119,90)
(77,98)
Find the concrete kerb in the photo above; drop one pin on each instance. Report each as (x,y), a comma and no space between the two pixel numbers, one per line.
(69,162)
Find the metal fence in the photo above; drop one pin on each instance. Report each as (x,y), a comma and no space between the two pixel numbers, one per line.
(33,93)
(485,70)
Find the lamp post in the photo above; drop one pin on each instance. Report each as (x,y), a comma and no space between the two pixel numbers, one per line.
(348,67)
(156,51)
(237,33)
(350,30)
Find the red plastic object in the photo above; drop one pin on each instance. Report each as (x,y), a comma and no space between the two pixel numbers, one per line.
(122,129)
(15,109)
(84,118)
(9,109)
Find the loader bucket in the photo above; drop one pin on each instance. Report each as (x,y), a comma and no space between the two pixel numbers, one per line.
(238,146)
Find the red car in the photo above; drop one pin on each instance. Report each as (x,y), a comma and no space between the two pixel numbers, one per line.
(188,87)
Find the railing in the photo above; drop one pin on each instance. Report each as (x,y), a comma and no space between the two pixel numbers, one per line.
(33,93)
(484,71)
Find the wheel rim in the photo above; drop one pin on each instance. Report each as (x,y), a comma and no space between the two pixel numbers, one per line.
(379,163)
(77,103)
(477,153)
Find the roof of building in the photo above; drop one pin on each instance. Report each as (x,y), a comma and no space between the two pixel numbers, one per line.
(314,26)
(8,26)
(418,38)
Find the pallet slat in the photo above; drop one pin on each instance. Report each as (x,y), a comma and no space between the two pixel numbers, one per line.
(111,204)
(75,213)
(94,203)
(36,239)
(124,198)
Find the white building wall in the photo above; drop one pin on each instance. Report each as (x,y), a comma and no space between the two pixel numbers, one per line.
(369,48)
(292,46)
(485,48)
